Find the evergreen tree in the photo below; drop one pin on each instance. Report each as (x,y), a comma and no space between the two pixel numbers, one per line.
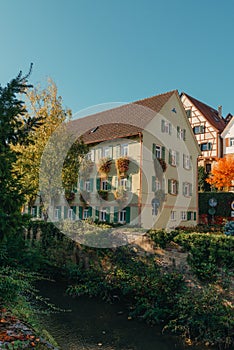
(14,129)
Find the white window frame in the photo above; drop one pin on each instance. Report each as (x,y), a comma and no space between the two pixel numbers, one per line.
(184,215)
(158,185)
(186,161)
(102,214)
(173,189)
(106,152)
(34,212)
(122,216)
(166,127)
(186,189)
(231,141)
(123,183)
(117,151)
(87,185)
(99,153)
(173,215)
(56,214)
(86,213)
(124,150)
(158,151)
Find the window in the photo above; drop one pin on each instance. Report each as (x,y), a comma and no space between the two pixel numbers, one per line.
(206,146)
(158,151)
(34,211)
(187,161)
(155,206)
(208,168)
(199,129)
(173,157)
(122,216)
(104,185)
(123,183)
(165,127)
(173,215)
(107,152)
(99,153)
(86,213)
(102,214)
(156,184)
(187,189)
(189,113)
(191,215)
(91,155)
(124,150)
(173,186)
(56,214)
(183,215)
(87,186)
(232,141)
(181,133)
(117,151)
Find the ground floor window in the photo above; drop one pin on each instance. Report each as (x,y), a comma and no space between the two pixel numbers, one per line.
(184,215)
(122,216)
(173,215)
(102,214)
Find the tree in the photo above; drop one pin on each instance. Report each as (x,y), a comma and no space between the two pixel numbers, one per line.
(222,174)
(14,129)
(202,176)
(47,105)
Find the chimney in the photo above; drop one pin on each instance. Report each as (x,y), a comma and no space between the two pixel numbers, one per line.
(220,111)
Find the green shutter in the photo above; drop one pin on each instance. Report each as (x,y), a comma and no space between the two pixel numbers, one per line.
(111,151)
(183,188)
(163,152)
(163,125)
(65,212)
(169,185)
(59,212)
(80,213)
(29,210)
(108,214)
(73,212)
(40,212)
(116,214)
(184,134)
(90,212)
(177,158)
(190,165)
(190,189)
(109,183)
(98,183)
(189,214)
(178,131)
(127,214)
(153,183)
(97,214)
(170,157)
(195,215)
(91,185)
(177,187)
(154,151)
(129,183)
(170,128)
(81,184)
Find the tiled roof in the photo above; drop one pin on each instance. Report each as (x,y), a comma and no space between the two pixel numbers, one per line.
(211,114)
(123,121)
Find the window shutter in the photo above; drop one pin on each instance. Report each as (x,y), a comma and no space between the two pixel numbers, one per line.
(116,182)
(178,131)
(97,214)
(153,183)
(189,215)
(170,156)
(183,188)
(177,158)
(117,151)
(108,214)
(65,212)
(40,212)
(184,135)
(169,185)
(73,212)
(91,185)
(227,142)
(90,212)
(98,183)
(109,183)
(184,161)
(190,163)
(190,189)
(195,215)
(59,212)
(129,183)
(116,214)
(209,146)
(163,125)
(80,213)
(127,215)
(154,151)
(177,187)
(111,151)
(170,128)
(81,184)
(163,152)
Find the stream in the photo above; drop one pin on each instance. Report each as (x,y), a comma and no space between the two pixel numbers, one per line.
(92,324)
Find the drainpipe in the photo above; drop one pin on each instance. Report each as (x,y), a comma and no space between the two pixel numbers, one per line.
(140,191)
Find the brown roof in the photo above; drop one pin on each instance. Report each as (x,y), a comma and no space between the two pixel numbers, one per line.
(211,114)
(124,121)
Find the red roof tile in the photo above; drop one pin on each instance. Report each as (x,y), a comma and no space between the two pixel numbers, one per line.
(211,114)
(123,121)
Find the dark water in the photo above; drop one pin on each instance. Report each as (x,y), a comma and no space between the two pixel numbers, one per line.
(92,324)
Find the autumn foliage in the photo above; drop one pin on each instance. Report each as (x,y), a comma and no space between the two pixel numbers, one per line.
(222,174)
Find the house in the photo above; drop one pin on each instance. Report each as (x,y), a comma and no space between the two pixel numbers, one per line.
(207,124)
(228,137)
(141,169)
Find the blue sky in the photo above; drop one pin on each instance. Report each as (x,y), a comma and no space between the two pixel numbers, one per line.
(100,51)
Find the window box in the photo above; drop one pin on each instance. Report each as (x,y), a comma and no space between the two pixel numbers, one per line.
(104,166)
(122,165)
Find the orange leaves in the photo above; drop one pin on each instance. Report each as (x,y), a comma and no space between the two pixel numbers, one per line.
(222,174)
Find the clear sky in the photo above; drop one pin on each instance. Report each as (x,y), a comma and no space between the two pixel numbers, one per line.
(100,51)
